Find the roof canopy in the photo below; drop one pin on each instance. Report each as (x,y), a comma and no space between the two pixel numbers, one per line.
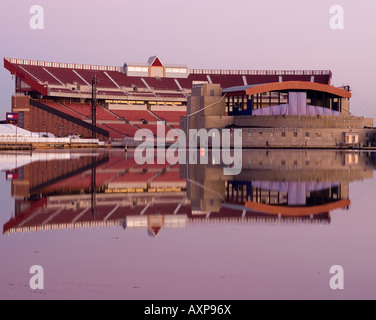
(289,85)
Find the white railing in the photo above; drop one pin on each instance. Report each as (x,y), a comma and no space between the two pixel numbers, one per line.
(84,141)
(260,72)
(63,65)
(24,139)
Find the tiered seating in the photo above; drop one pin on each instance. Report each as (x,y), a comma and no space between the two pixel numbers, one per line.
(153,167)
(170,176)
(253,79)
(122,212)
(124,81)
(159,208)
(135,177)
(198,77)
(65,216)
(40,217)
(85,109)
(185,209)
(113,133)
(170,116)
(66,76)
(141,94)
(121,165)
(228,80)
(67,110)
(135,115)
(111,93)
(41,74)
(104,114)
(125,129)
(100,213)
(83,181)
(171,95)
(153,128)
(103,80)
(168,179)
(61,90)
(162,84)
(318,78)
(104,177)
(185,83)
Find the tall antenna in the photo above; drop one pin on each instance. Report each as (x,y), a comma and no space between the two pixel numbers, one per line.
(94,82)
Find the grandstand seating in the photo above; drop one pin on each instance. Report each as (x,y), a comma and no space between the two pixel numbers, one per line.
(198,77)
(135,177)
(103,80)
(122,212)
(41,74)
(152,167)
(65,216)
(66,76)
(162,84)
(161,208)
(135,115)
(122,128)
(169,176)
(185,209)
(85,110)
(171,95)
(121,165)
(67,110)
(170,116)
(114,134)
(185,83)
(124,81)
(228,81)
(111,93)
(41,216)
(153,128)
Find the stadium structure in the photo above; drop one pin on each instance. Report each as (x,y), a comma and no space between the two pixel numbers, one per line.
(56,97)
(109,189)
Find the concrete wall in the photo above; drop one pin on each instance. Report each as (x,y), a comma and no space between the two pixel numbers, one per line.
(37,120)
(303,122)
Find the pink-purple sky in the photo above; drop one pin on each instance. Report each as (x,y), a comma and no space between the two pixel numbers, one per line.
(237,34)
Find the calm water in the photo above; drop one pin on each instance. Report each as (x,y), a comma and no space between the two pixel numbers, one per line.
(103,227)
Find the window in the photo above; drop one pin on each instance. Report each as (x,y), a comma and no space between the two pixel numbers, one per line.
(283,134)
(250,134)
(295,134)
(271,134)
(307,134)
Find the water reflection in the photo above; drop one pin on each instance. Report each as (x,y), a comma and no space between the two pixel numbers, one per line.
(107,188)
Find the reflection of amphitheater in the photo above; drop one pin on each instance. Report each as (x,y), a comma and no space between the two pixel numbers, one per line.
(109,189)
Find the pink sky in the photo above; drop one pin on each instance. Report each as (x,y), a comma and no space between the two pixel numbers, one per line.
(238,34)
